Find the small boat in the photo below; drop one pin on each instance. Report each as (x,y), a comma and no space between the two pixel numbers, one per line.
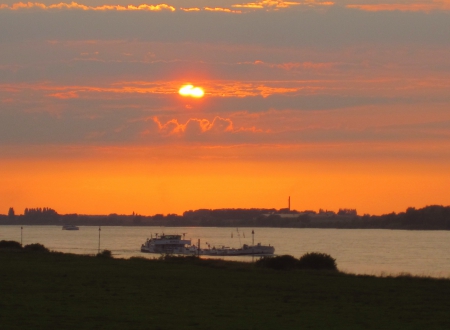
(70,227)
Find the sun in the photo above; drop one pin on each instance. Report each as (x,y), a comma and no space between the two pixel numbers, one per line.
(191,91)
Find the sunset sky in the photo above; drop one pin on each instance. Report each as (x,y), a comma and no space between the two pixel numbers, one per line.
(338,104)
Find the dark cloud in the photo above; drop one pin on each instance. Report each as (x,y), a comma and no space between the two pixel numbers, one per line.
(334,27)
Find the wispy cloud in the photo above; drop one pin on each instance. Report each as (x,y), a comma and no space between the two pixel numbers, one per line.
(195,126)
(420,6)
(223,130)
(190,9)
(75,5)
(277,4)
(264,4)
(212,88)
(224,10)
(65,95)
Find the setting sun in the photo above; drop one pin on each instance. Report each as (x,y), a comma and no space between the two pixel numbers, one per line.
(190,90)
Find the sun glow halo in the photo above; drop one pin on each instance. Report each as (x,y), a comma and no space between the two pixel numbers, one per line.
(190,90)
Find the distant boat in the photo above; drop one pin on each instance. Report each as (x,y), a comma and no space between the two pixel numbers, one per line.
(70,227)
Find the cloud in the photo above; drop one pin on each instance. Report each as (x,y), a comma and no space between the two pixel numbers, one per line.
(195,126)
(264,4)
(277,4)
(421,6)
(216,89)
(74,5)
(296,65)
(333,28)
(65,96)
(190,9)
(224,10)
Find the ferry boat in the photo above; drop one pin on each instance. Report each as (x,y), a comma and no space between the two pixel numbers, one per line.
(70,227)
(173,244)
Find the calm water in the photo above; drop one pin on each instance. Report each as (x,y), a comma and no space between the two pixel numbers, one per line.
(356,251)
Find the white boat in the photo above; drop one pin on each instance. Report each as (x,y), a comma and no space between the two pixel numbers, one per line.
(173,244)
(70,227)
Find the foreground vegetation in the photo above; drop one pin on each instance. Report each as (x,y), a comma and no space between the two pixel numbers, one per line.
(42,290)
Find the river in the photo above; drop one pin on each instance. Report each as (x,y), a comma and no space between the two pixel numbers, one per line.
(361,251)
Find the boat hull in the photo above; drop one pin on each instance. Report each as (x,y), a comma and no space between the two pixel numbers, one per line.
(173,244)
(193,250)
(70,227)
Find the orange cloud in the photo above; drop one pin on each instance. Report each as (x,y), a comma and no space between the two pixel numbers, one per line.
(225,10)
(264,4)
(275,4)
(215,89)
(65,96)
(195,125)
(190,9)
(296,65)
(425,6)
(74,5)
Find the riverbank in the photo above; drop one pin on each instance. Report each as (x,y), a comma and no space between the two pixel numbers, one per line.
(434,217)
(56,290)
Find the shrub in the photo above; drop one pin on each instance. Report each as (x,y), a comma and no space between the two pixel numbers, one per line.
(105,254)
(283,262)
(315,260)
(10,245)
(36,247)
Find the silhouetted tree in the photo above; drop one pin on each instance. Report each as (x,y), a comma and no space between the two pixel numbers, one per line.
(347,212)
(36,212)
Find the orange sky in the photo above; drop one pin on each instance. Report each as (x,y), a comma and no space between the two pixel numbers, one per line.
(150,181)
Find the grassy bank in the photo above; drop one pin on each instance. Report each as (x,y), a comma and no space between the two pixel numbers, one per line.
(54,290)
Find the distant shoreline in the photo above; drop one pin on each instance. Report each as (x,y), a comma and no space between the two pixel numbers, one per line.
(433,217)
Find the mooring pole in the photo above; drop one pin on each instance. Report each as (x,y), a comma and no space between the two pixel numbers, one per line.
(99,230)
(198,248)
(21,235)
(253,245)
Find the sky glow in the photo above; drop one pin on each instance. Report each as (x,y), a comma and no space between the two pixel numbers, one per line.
(338,104)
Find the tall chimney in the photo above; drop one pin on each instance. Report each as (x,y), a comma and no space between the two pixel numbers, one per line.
(289,203)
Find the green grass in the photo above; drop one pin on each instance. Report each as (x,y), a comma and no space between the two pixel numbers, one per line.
(54,290)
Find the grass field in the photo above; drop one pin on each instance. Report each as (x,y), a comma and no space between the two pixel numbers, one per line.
(64,291)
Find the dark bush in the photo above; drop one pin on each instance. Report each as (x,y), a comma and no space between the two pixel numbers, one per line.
(10,245)
(105,254)
(35,247)
(315,260)
(283,262)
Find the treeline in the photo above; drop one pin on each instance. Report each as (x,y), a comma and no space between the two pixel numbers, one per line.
(433,217)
